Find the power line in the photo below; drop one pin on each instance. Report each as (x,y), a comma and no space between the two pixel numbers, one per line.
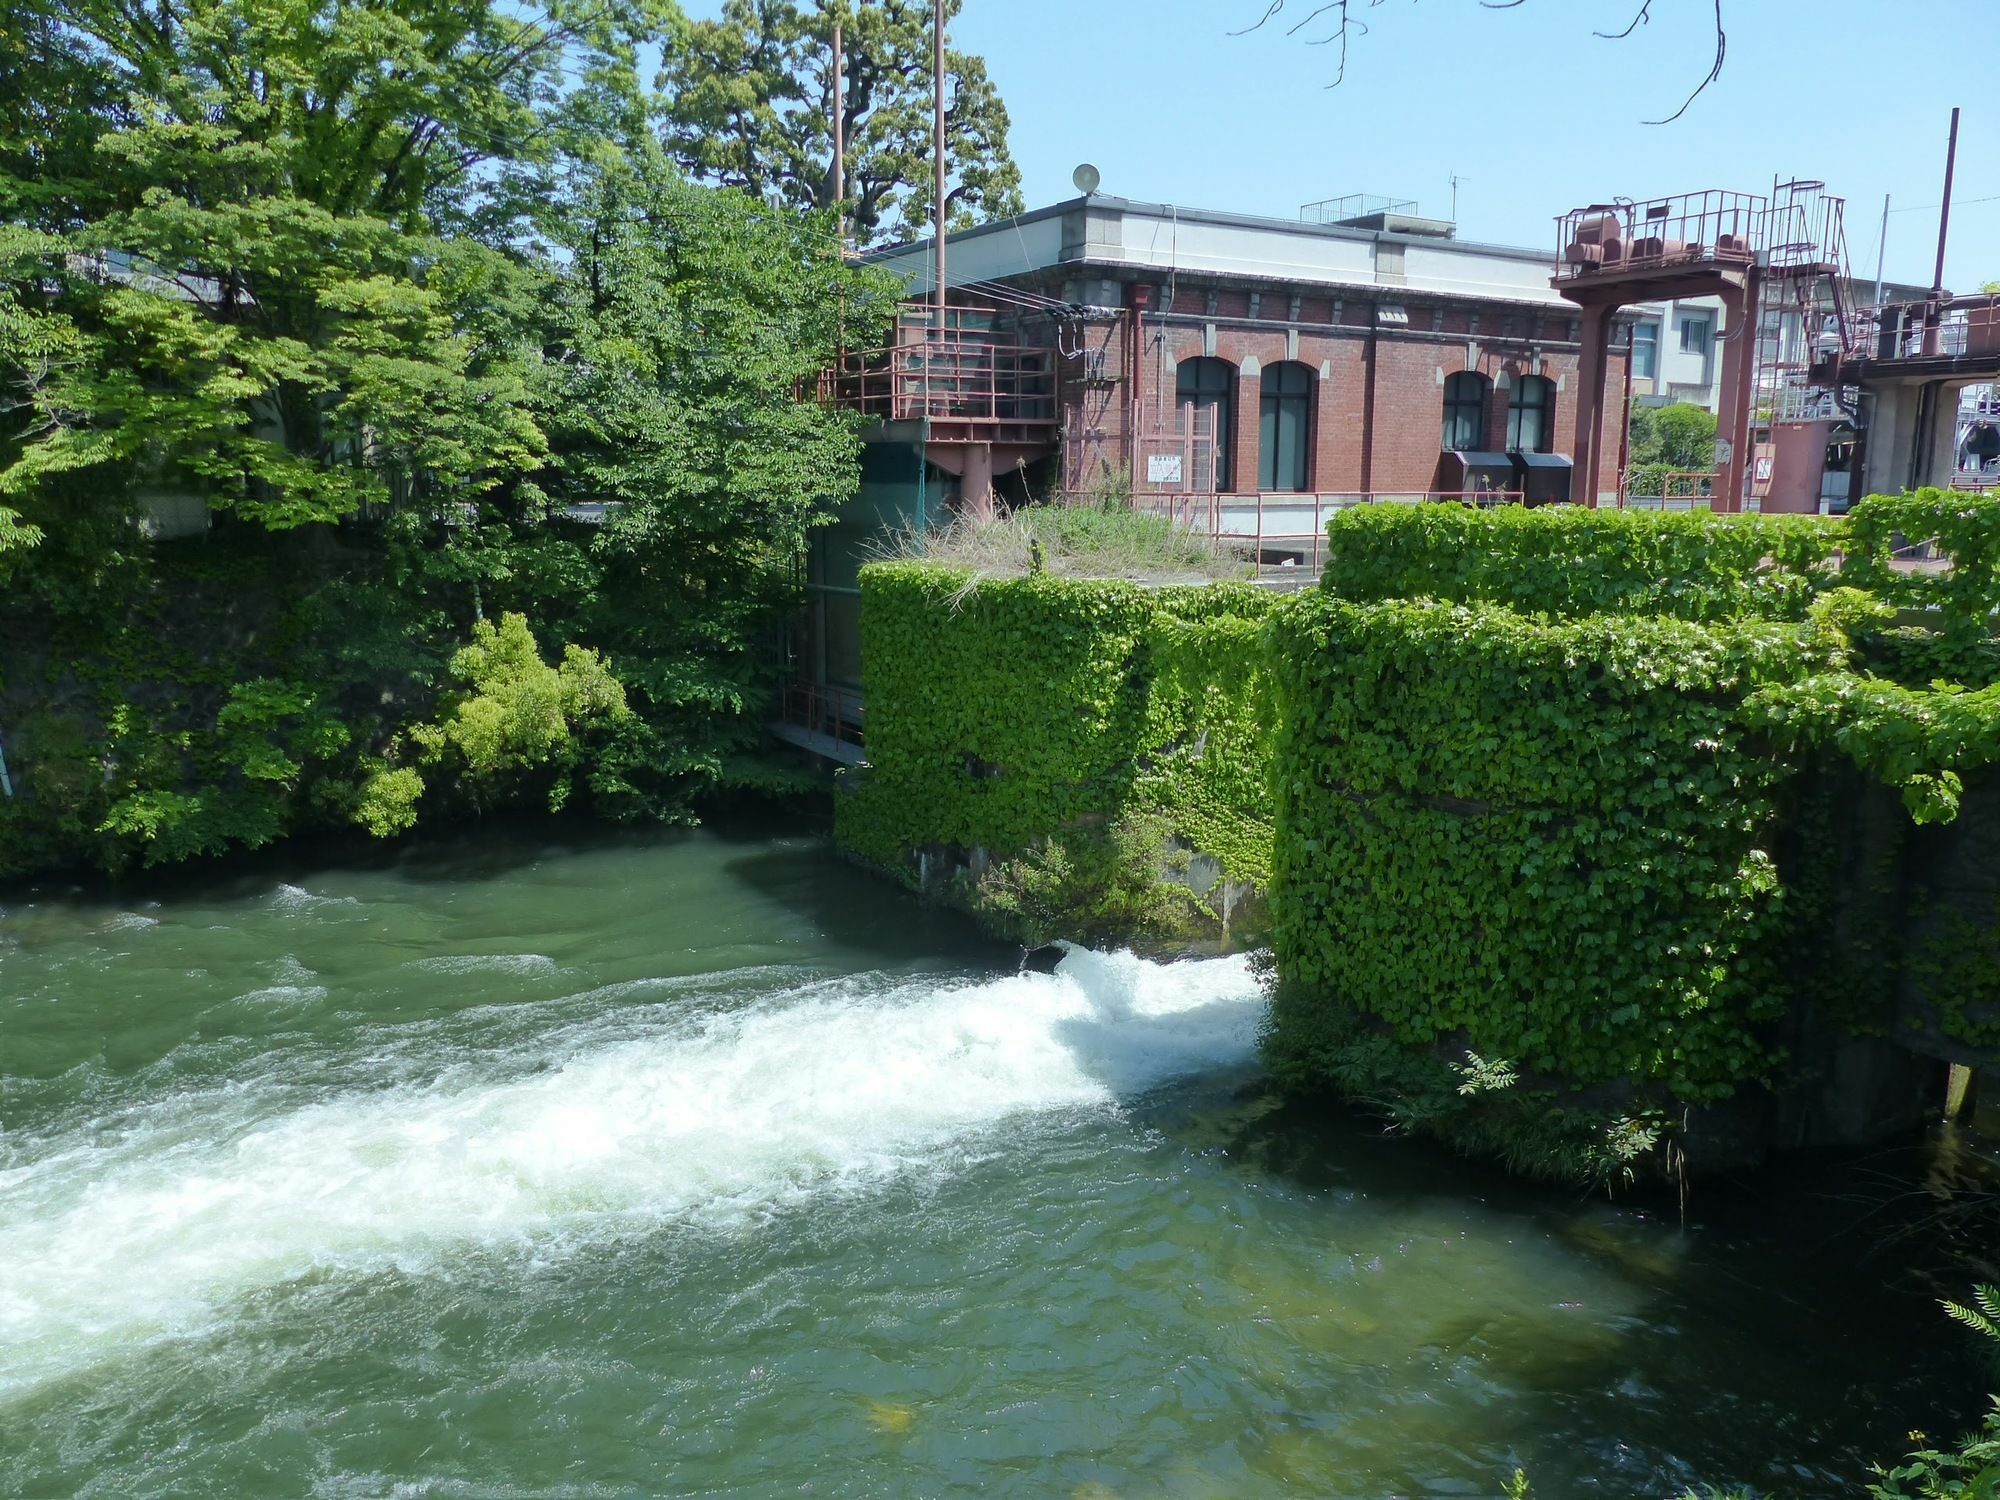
(1917,208)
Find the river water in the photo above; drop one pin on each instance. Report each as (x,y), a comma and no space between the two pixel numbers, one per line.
(699,1164)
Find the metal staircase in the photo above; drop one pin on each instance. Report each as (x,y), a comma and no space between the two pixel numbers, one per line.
(1802,317)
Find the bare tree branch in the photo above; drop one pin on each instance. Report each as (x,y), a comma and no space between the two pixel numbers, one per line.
(1339,5)
(1346,25)
(1645,14)
(1714,72)
(1276,6)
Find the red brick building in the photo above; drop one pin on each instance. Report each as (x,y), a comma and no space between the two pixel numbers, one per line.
(1188,354)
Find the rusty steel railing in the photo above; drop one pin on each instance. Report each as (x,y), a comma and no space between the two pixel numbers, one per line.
(824,709)
(1712,225)
(1922,330)
(964,378)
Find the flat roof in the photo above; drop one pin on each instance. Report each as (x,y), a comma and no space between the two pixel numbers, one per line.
(1226,219)
(1099,231)
(1253,246)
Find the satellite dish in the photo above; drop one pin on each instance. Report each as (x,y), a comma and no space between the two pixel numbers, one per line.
(1086,179)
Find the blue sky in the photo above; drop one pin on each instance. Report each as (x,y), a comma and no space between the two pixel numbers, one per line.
(1532,112)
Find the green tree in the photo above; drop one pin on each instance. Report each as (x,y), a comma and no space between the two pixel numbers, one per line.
(251,291)
(683,327)
(389,284)
(749,100)
(1680,436)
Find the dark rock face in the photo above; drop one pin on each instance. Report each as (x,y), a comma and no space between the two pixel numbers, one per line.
(1042,960)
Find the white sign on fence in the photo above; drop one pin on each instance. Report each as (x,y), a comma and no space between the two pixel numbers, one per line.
(1163,468)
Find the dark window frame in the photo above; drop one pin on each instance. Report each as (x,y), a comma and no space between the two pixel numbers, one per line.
(1646,352)
(1465,399)
(1544,408)
(1286,388)
(1214,385)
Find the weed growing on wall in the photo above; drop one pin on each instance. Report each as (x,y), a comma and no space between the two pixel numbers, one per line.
(1561,812)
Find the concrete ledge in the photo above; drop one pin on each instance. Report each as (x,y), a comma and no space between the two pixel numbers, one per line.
(846,752)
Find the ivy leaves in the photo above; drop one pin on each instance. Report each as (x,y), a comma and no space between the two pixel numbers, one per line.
(1544,840)
(1562,560)
(1019,711)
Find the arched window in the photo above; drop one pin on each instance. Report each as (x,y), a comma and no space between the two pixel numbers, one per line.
(1211,383)
(1465,411)
(1531,414)
(1284,433)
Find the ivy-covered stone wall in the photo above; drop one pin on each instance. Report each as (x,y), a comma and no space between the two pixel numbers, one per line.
(1570,822)
(1543,840)
(1067,757)
(1590,817)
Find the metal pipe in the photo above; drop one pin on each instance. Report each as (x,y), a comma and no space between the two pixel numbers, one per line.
(937,66)
(1881,249)
(1133,417)
(1625,431)
(1944,209)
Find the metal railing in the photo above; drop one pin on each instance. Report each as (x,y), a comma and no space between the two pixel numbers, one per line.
(955,376)
(1680,489)
(1282,530)
(824,709)
(1354,206)
(1920,330)
(1712,225)
(1795,401)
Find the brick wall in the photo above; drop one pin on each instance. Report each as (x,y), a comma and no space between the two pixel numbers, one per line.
(1377,406)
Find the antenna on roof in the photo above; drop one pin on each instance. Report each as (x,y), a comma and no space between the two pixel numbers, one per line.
(1086,179)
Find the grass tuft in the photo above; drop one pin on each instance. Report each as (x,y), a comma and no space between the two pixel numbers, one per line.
(1069,541)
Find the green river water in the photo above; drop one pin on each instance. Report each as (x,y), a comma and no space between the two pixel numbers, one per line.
(700,1164)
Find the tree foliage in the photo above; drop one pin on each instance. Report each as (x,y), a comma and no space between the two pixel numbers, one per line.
(1678,436)
(750,103)
(392,290)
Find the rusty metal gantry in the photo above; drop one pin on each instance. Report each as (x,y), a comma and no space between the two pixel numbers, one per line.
(1762,256)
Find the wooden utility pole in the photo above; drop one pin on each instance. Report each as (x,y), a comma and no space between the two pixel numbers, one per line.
(937,66)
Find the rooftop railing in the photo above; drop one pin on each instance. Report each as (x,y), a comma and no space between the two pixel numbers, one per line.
(1686,229)
(955,376)
(1924,330)
(1280,529)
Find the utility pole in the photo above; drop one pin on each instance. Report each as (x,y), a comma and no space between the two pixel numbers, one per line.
(839,135)
(1944,209)
(937,66)
(1934,308)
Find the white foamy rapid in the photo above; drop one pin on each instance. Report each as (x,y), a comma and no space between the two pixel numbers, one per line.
(106,1244)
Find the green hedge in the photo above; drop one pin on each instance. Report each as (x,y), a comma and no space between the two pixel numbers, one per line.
(1964,528)
(1003,714)
(1565,560)
(1543,841)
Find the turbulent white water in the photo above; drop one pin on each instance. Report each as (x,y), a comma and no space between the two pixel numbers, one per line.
(108,1239)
